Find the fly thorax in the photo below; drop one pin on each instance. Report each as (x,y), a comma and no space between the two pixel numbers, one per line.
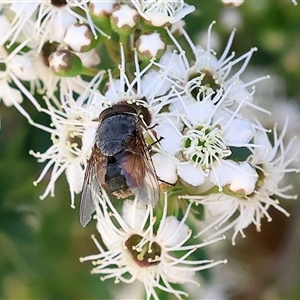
(115,132)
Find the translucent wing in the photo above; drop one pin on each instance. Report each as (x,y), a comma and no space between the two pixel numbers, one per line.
(138,168)
(93,179)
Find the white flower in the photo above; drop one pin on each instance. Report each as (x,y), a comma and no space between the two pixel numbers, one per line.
(273,163)
(273,96)
(205,72)
(134,251)
(72,119)
(15,68)
(57,61)
(72,133)
(240,210)
(203,145)
(231,18)
(161,12)
(165,168)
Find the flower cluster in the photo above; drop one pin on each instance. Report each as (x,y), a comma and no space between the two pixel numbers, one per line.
(190,133)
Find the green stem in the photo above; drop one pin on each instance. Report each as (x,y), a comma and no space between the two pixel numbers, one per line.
(89,71)
(113,50)
(124,39)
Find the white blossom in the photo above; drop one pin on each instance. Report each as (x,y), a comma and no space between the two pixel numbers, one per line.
(209,73)
(78,37)
(213,155)
(15,68)
(233,2)
(134,251)
(161,13)
(72,134)
(201,149)
(238,211)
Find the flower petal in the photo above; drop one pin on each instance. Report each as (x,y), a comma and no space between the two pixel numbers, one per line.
(239,176)
(134,212)
(165,168)
(191,173)
(240,131)
(171,226)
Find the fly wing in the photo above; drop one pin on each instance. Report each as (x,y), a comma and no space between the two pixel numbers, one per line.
(93,179)
(139,171)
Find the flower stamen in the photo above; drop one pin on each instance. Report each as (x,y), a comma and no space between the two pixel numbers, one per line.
(169,8)
(205,146)
(145,255)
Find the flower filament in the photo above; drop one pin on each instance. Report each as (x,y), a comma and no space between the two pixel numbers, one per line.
(196,88)
(169,8)
(200,84)
(205,145)
(211,80)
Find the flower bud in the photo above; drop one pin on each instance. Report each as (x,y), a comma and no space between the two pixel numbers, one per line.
(124,19)
(65,63)
(150,45)
(100,12)
(80,38)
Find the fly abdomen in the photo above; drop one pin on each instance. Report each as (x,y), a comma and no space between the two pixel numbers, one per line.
(115,182)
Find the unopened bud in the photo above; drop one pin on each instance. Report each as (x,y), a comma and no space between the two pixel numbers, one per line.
(150,45)
(124,19)
(100,12)
(65,63)
(80,38)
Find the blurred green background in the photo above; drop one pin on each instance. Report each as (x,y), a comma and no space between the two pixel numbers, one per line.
(41,241)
